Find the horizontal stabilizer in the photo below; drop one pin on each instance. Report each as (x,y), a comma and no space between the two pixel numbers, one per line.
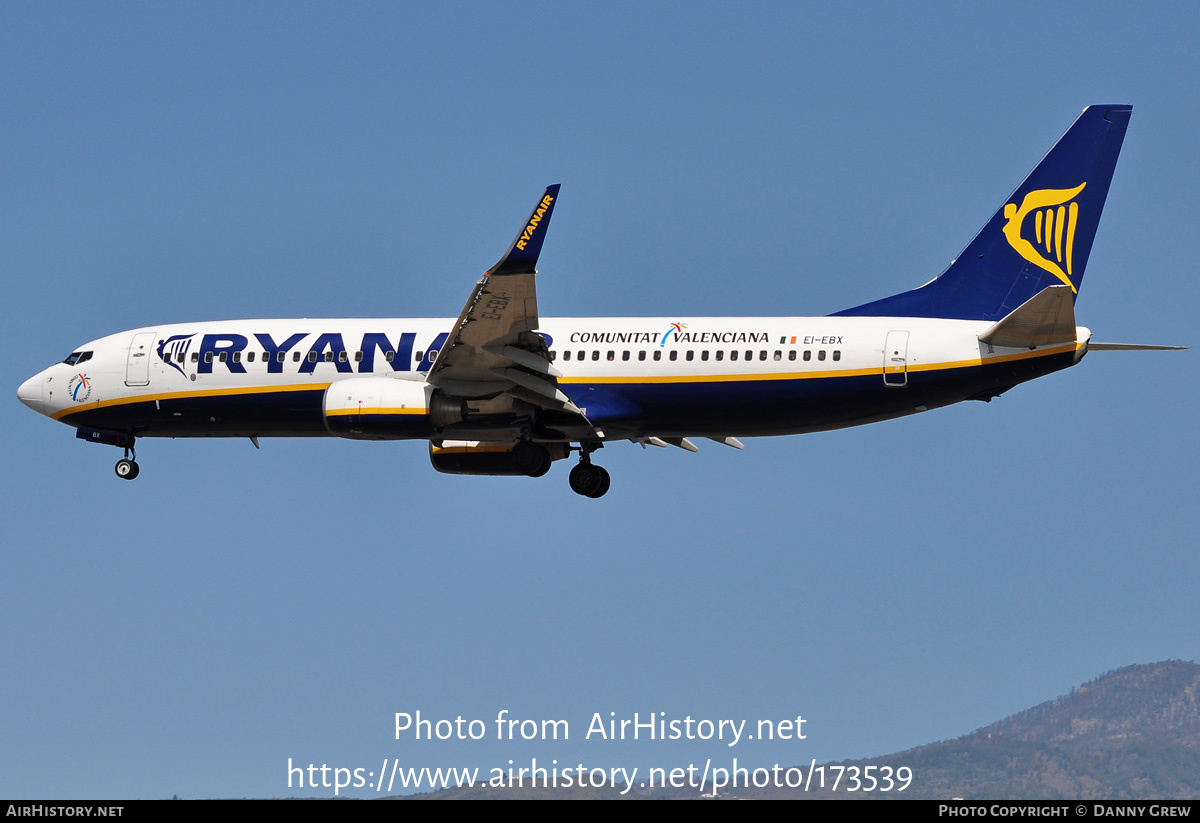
(1046,319)
(1132,347)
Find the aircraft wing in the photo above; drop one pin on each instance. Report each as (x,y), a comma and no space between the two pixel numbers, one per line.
(494,347)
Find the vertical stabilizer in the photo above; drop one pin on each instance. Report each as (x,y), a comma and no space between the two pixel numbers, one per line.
(1041,236)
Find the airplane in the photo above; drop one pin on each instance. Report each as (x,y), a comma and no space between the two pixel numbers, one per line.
(502,391)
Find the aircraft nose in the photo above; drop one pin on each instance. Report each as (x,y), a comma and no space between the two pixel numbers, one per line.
(30,393)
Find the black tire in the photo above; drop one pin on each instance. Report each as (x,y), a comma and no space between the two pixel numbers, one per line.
(531,459)
(585,479)
(605,482)
(126,469)
(545,467)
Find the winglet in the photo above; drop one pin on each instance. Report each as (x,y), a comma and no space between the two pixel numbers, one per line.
(522,255)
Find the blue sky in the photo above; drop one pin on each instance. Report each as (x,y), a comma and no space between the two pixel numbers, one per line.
(895,584)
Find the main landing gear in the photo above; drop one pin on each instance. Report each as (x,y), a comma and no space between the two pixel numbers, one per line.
(127,467)
(586,478)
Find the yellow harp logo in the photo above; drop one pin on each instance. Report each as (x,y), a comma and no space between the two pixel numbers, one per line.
(1055,214)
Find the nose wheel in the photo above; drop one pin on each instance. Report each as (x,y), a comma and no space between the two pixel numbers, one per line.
(127,467)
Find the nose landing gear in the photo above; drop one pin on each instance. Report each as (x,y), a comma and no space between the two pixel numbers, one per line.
(127,467)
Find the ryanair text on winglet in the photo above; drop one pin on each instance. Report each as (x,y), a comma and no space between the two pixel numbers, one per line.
(533,221)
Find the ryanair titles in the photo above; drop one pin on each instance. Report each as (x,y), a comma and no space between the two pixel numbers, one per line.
(674,334)
(534,220)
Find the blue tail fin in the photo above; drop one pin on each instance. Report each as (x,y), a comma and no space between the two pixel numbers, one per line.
(1040,237)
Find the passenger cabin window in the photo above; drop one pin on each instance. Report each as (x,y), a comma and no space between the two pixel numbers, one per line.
(195,357)
(612,355)
(566,355)
(821,354)
(625,355)
(389,356)
(720,354)
(792,354)
(733,355)
(837,354)
(674,354)
(208,357)
(658,354)
(690,355)
(312,357)
(249,357)
(807,354)
(295,356)
(642,354)
(358,357)
(596,354)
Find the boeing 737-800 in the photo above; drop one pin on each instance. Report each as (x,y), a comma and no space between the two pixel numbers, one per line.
(502,391)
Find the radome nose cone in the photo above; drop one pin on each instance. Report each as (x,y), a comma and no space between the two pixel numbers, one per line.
(30,393)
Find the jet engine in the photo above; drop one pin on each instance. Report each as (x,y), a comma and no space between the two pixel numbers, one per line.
(379,408)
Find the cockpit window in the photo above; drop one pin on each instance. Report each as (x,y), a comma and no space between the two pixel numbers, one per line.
(77,357)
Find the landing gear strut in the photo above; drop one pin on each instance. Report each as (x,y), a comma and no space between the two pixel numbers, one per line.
(586,478)
(127,467)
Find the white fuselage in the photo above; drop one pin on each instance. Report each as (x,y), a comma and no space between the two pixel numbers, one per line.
(634,377)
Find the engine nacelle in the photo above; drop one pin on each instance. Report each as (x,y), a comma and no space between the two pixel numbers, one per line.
(378,408)
(479,457)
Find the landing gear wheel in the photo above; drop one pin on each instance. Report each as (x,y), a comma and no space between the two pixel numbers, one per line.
(531,459)
(126,469)
(545,467)
(605,482)
(589,480)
